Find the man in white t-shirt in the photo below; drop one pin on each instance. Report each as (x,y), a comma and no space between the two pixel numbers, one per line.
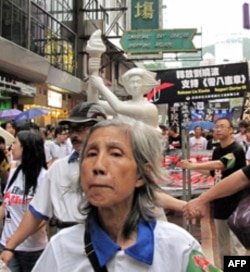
(58,148)
(198,142)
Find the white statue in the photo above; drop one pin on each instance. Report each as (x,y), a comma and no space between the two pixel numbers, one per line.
(137,82)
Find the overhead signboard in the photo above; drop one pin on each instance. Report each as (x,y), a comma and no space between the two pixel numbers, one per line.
(201,83)
(158,40)
(144,15)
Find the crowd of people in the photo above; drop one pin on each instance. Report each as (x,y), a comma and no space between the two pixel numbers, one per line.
(118,175)
(204,139)
(97,180)
(230,155)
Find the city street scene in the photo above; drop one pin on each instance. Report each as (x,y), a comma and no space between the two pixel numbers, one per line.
(124,135)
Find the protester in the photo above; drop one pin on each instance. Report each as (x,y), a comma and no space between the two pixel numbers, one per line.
(59,196)
(227,158)
(58,148)
(198,142)
(119,168)
(240,137)
(21,186)
(164,137)
(174,138)
(10,126)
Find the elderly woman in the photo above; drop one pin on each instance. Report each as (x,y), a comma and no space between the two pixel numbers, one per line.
(121,159)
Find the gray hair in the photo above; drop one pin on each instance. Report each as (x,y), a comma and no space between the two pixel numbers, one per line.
(147,152)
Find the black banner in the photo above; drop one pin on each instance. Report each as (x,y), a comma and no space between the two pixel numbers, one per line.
(201,83)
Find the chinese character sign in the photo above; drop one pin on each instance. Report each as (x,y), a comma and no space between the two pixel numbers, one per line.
(202,83)
(144,14)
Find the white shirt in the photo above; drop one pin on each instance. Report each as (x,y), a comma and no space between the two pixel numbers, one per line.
(172,249)
(198,143)
(48,156)
(59,194)
(248,154)
(239,137)
(14,211)
(58,150)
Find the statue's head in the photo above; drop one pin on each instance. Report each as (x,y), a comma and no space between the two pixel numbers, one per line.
(148,79)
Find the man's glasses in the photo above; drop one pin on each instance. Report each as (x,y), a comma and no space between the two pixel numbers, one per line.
(221,127)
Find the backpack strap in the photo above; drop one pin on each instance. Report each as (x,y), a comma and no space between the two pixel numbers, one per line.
(90,252)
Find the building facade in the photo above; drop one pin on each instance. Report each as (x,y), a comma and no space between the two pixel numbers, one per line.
(43,61)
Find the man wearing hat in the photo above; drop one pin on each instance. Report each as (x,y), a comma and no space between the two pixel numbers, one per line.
(58,196)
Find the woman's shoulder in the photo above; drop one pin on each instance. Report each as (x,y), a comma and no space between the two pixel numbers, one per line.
(172,232)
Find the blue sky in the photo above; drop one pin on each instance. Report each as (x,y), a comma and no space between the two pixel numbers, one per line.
(213,17)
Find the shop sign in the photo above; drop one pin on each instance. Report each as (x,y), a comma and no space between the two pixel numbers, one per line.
(158,40)
(145,14)
(54,99)
(201,83)
(16,87)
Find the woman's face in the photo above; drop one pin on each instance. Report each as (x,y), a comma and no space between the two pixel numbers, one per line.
(108,170)
(17,150)
(10,128)
(134,85)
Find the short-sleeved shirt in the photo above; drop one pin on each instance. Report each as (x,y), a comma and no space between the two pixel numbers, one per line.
(198,143)
(223,207)
(15,207)
(174,142)
(166,247)
(59,194)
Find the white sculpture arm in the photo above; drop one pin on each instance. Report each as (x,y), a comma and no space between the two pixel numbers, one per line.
(142,110)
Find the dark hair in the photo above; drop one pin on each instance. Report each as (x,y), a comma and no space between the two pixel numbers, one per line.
(229,122)
(34,126)
(43,130)
(59,130)
(173,128)
(2,140)
(12,123)
(243,123)
(163,127)
(198,127)
(33,159)
(50,128)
